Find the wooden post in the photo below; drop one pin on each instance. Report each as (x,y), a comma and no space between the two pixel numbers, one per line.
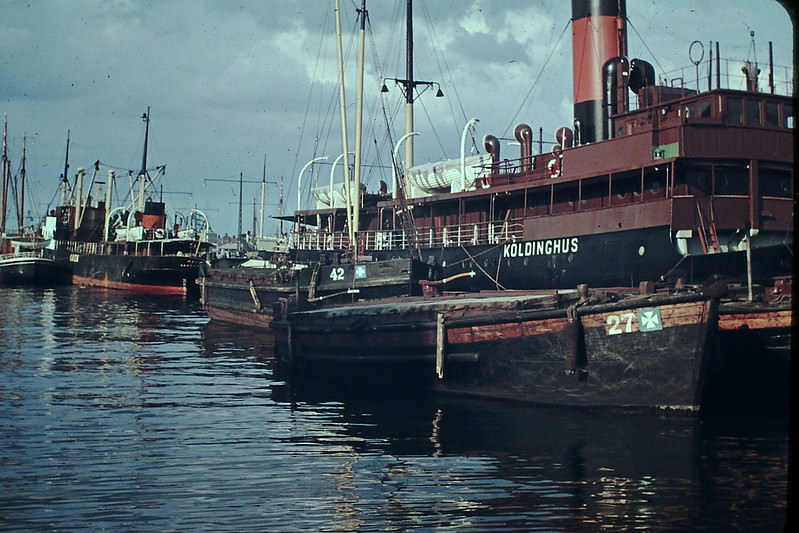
(440,339)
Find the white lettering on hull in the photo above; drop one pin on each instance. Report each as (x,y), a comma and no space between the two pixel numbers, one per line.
(566,245)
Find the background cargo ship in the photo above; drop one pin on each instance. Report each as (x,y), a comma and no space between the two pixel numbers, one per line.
(132,247)
(25,256)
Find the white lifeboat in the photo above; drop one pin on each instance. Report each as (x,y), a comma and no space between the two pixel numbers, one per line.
(445,176)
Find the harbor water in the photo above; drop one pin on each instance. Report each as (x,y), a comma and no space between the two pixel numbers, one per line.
(134,413)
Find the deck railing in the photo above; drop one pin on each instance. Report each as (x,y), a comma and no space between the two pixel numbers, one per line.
(82,248)
(730,76)
(17,255)
(484,233)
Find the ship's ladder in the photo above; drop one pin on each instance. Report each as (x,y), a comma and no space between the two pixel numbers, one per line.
(708,236)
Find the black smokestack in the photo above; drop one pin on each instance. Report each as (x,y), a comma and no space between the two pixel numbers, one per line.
(599,33)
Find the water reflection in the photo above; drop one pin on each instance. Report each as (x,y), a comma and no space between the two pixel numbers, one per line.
(221,339)
(491,465)
(516,464)
(138,414)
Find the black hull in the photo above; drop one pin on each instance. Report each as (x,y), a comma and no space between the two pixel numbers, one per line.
(236,301)
(33,271)
(754,371)
(146,274)
(248,296)
(608,356)
(614,259)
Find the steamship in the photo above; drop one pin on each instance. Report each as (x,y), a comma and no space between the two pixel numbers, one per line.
(134,247)
(129,248)
(648,182)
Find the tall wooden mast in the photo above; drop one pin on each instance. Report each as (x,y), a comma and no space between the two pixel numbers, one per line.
(343,116)
(359,119)
(5,185)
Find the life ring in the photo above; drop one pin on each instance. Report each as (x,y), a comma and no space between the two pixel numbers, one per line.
(159,233)
(554,164)
(553,167)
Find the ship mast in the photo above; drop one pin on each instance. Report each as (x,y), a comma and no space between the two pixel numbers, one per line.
(6,173)
(263,195)
(22,174)
(409,84)
(65,175)
(143,172)
(359,119)
(343,115)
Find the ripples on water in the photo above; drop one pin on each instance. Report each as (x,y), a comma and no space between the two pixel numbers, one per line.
(135,413)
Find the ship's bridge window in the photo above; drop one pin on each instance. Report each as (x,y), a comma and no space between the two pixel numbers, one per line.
(789,116)
(753,112)
(655,182)
(776,183)
(564,198)
(625,187)
(594,193)
(732,114)
(698,109)
(772,114)
(693,180)
(538,202)
(731,180)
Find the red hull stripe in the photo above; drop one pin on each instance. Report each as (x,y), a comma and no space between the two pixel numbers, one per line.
(132,287)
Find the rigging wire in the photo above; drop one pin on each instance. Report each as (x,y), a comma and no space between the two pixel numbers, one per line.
(645,45)
(387,139)
(452,87)
(433,129)
(309,102)
(534,85)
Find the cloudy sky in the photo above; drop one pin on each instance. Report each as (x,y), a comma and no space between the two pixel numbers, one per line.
(232,83)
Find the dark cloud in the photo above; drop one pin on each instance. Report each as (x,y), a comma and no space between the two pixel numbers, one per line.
(228,82)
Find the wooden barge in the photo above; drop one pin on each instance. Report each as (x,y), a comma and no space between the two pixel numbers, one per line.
(647,351)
